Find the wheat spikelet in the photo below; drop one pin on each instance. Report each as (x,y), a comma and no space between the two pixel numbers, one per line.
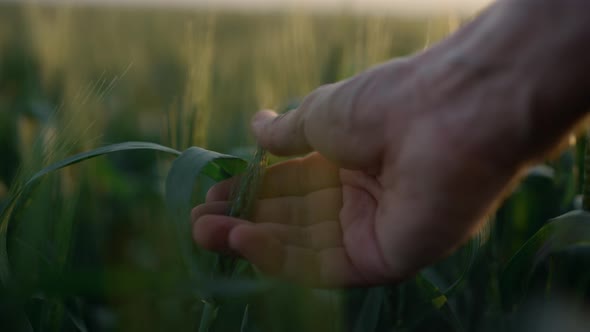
(245,192)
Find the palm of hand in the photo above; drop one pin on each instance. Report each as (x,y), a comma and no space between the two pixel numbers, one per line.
(320,225)
(313,224)
(323,226)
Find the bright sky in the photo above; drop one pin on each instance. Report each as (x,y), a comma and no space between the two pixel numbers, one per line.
(391,6)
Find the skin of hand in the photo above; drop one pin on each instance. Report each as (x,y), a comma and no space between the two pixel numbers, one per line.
(405,159)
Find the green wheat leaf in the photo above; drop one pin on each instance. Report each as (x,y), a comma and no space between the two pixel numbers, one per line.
(570,229)
(15,200)
(245,319)
(368,318)
(182,178)
(438,300)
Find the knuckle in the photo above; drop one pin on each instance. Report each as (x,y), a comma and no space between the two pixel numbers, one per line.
(317,100)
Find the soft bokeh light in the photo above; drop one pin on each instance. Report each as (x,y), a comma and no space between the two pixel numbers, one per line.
(376,6)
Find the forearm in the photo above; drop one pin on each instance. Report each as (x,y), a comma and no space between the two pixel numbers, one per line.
(546,45)
(533,59)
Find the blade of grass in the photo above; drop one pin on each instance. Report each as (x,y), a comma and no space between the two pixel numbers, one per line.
(180,125)
(210,311)
(180,183)
(473,248)
(570,229)
(77,321)
(15,199)
(245,318)
(439,301)
(368,318)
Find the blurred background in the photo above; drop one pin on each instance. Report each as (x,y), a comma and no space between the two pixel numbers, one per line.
(92,249)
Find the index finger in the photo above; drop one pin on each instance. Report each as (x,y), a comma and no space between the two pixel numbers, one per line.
(295,177)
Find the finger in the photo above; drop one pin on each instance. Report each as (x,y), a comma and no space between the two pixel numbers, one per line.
(299,176)
(328,268)
(258,246)
(325,268)
(212,231)
(323,235)
(281,134)
(323,123)
(220,208)
(315,207)
(295,177)
(221,191)
(285,134)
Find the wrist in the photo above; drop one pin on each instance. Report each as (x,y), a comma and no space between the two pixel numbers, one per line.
(525,66)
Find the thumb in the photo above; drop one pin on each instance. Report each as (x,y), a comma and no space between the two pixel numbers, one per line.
(289,133)
(281,134)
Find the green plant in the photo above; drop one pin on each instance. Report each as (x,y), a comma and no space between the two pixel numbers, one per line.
(216,280)
(94,247)
(188,168)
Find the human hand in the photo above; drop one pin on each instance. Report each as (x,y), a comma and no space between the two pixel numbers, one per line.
(406,158)
(386,192)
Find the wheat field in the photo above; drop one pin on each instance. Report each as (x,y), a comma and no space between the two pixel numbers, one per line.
(92,247)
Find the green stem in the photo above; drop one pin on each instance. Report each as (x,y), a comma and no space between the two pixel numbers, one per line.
(207,317)
(243,197)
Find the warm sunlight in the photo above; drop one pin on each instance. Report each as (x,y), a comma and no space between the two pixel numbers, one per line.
(387,6)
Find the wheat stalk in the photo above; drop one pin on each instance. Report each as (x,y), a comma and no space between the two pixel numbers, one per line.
(243,198)
(245,192)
